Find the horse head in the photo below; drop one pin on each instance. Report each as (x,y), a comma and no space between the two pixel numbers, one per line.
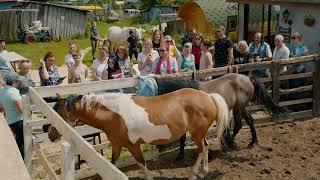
(66,108)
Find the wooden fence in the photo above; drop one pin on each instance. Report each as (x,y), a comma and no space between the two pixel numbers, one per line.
(75,144)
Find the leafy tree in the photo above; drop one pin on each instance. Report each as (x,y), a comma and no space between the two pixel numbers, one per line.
(146,4)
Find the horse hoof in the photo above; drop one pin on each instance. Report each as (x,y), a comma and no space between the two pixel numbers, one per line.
(251,145)
(235,146)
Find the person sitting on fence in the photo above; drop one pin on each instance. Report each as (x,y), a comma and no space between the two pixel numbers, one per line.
(11,105)
(260,51)
(78,71)
(186,59)
(68,58)
(242,56)
(298,49)
(133,43)
(156,39)
(223,54)
(23,70)
(164,64)
(5,66)
(146,57)
(196,50)
(281,51)
(100,66)
(124,61)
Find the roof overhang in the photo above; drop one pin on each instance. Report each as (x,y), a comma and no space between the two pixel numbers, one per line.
(294,3)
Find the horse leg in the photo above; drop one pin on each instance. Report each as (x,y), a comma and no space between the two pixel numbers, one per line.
(138,156)
(237,126)
(196,166)
(250,121)
(116,150)
(205,167)
(181,150)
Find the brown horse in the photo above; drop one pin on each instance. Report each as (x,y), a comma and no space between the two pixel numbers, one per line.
(237,90)
(130,121)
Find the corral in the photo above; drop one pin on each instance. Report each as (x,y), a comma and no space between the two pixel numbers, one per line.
(269,146)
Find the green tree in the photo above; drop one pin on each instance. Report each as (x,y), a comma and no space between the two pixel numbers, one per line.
(146,4)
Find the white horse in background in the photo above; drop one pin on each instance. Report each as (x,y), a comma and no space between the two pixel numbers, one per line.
(119,36)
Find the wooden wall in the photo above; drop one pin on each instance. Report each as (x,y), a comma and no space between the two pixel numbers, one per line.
(63,21)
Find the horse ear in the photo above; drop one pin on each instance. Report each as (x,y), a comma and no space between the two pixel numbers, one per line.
(59,97)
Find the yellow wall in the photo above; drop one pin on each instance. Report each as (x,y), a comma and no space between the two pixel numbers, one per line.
(193,16)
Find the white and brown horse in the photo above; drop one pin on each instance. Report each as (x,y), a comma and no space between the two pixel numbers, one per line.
(130,121)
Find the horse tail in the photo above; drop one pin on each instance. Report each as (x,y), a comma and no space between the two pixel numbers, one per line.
(265,101)
(223,120)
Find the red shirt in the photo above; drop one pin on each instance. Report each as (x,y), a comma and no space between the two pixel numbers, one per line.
(196,51)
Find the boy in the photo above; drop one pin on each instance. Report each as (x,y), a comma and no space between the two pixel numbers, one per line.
(78,71)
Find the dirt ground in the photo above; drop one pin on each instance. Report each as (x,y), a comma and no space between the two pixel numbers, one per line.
(288,150)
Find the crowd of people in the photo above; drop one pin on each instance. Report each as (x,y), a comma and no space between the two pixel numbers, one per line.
(159,55)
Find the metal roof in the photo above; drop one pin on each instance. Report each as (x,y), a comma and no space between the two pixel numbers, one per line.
(278,1)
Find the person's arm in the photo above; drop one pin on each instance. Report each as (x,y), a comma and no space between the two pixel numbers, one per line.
(86,72)
(104,75)
(43,72)
(208,59)
(305,51)
(230,56)
(269,54)
(176,69)
(19,105)
(143,63)
(95,75)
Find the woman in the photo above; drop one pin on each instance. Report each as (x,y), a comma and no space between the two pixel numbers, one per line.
(146,58)
(242,56)
(99,66)
(5,66)
(206,57)
(124,61)
(114,70)
(186,59)
(196,50)
(164,64)
(156,39)
(48,71)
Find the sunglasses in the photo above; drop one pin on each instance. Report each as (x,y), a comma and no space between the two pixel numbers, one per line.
(186,46)
(169,41)
(162,50)
(198,38)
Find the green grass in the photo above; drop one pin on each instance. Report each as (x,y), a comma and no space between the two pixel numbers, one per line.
(37,50)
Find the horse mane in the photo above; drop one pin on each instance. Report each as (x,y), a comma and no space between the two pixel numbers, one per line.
(109,100)
(166,85)
(71,101)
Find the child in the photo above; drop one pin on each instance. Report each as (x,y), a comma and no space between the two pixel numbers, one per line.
(69,61)
(78,71)
(24,68)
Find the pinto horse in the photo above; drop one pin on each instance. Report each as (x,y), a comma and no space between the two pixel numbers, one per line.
(130,121)
(237,90)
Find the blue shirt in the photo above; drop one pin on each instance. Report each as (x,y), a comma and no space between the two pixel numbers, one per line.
(298,50)
(9,96)
(4,64)
(53,77)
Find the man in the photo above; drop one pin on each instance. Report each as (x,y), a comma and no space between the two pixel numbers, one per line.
(94,38)
(5,66)
(223,55)
(260,51)
(189,36)
(133,44)
(11,104)
(281,51)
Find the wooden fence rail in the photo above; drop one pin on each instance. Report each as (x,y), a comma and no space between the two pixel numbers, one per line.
(76,144)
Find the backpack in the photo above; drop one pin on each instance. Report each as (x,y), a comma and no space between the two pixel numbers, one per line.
(147,86)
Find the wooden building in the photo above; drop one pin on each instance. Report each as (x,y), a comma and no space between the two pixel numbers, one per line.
(207,15)
(64,21)
(284,17)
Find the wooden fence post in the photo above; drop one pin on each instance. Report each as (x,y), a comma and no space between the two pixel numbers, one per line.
(27,133)
(275,80)
(67,160)
(316,88)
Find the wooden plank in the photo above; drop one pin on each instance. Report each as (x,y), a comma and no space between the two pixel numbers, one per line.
(12,166)
(254,66)
(67,161)
(27,133)
(275,72)
(295,90)
(290,117)
(44,161)
(48,91)
(298,101)
(104,167)
(294,76)
(298,60)
(316,89)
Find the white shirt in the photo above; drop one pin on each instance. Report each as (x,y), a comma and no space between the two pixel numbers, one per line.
(69,59)
(100,68)
(142,58)
(281,53)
